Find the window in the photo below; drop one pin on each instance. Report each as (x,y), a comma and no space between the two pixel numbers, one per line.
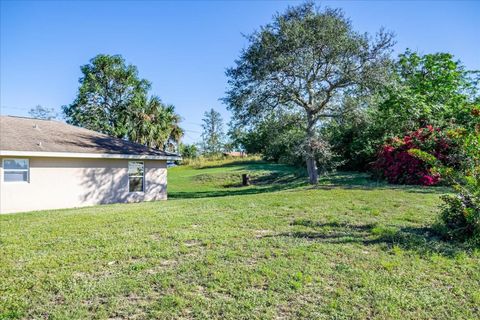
(136,176)
(15,170)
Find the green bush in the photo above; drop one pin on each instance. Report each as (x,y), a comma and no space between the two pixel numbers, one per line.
(461,217)
(460,213)
(188,151)
(276,137)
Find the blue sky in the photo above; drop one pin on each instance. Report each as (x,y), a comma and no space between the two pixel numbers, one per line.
(184,47)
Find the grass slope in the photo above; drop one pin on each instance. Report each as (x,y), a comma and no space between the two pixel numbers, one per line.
(348,249)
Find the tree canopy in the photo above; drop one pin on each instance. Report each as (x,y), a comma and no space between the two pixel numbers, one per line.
(155,125)
(212,135)
(109,90)
(114,100)
(41,112)
(427,89)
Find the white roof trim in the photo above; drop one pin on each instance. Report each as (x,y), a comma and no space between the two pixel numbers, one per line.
(85,155)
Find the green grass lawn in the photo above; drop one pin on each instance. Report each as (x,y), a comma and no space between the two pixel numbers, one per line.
(348,249)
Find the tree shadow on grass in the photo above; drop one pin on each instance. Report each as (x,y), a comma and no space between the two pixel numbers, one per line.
(363,181)
(341,179)
(422,240)
(271,182)
(286,178)
(248,164)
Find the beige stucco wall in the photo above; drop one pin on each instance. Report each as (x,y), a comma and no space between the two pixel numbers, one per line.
(67,182)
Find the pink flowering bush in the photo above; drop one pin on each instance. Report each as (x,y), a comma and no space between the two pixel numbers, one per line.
(395,164)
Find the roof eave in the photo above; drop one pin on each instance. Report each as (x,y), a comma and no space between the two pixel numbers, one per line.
(45,154)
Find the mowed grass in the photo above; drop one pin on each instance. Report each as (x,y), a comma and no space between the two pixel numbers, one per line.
(279,249)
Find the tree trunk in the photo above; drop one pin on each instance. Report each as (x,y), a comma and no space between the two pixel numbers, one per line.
(311,162)
(312,170)
(245,179)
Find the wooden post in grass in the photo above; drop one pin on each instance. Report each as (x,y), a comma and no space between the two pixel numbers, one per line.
(245,179)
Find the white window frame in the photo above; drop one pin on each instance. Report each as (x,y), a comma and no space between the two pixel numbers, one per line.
(142,176)
(16,170)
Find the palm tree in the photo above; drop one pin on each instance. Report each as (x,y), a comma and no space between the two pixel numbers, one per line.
(155,125)
(173,127)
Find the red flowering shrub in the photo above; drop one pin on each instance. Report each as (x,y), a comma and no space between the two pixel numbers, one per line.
(396,165)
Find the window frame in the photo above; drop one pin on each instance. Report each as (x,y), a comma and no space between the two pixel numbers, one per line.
(15,170)
(136,176)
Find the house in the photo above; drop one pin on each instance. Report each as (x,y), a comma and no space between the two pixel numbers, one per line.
(235,154)
(48,164)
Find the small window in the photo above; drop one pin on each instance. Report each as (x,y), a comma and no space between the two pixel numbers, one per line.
(136,176)
(15,170)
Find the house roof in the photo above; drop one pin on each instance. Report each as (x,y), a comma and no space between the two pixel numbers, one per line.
(34,137)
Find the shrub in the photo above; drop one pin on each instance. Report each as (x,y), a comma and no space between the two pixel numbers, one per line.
(395,163)
(188,151)
(460,213)
(461,216)
(327,160)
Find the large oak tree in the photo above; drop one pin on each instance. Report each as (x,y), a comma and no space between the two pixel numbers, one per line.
(305,59)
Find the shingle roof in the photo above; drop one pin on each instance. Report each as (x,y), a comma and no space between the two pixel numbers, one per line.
(34,135)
